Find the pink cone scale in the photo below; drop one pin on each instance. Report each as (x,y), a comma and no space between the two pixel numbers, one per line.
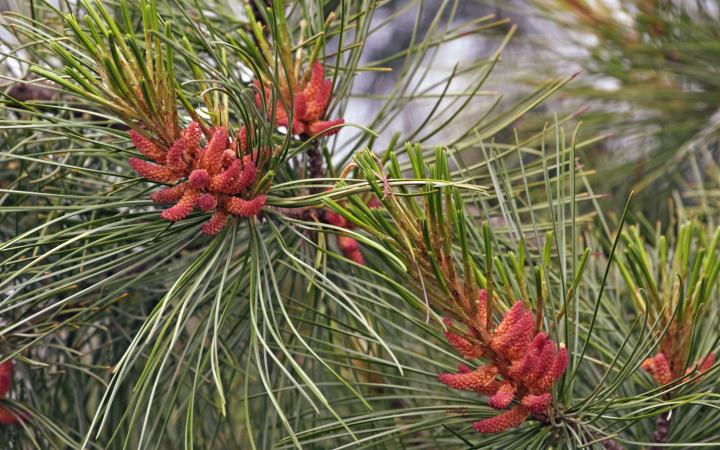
(523,365)
(210,178)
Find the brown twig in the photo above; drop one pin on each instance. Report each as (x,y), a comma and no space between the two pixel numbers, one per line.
(315,162)
(662,428)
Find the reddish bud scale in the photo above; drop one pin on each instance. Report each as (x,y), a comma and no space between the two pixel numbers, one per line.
(530,362)
(308,105)
(213,178)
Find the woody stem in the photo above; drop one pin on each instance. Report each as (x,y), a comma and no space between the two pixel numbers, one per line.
(662,428)
(315,162)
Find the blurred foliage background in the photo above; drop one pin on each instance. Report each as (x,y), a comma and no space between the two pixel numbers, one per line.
(535,119)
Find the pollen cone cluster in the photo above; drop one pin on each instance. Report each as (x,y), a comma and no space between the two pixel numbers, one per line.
(308,105)
(522,365)
(660,367)
(209,178)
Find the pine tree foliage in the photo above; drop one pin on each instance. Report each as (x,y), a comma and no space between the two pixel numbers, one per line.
(198,250)
(651,80)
